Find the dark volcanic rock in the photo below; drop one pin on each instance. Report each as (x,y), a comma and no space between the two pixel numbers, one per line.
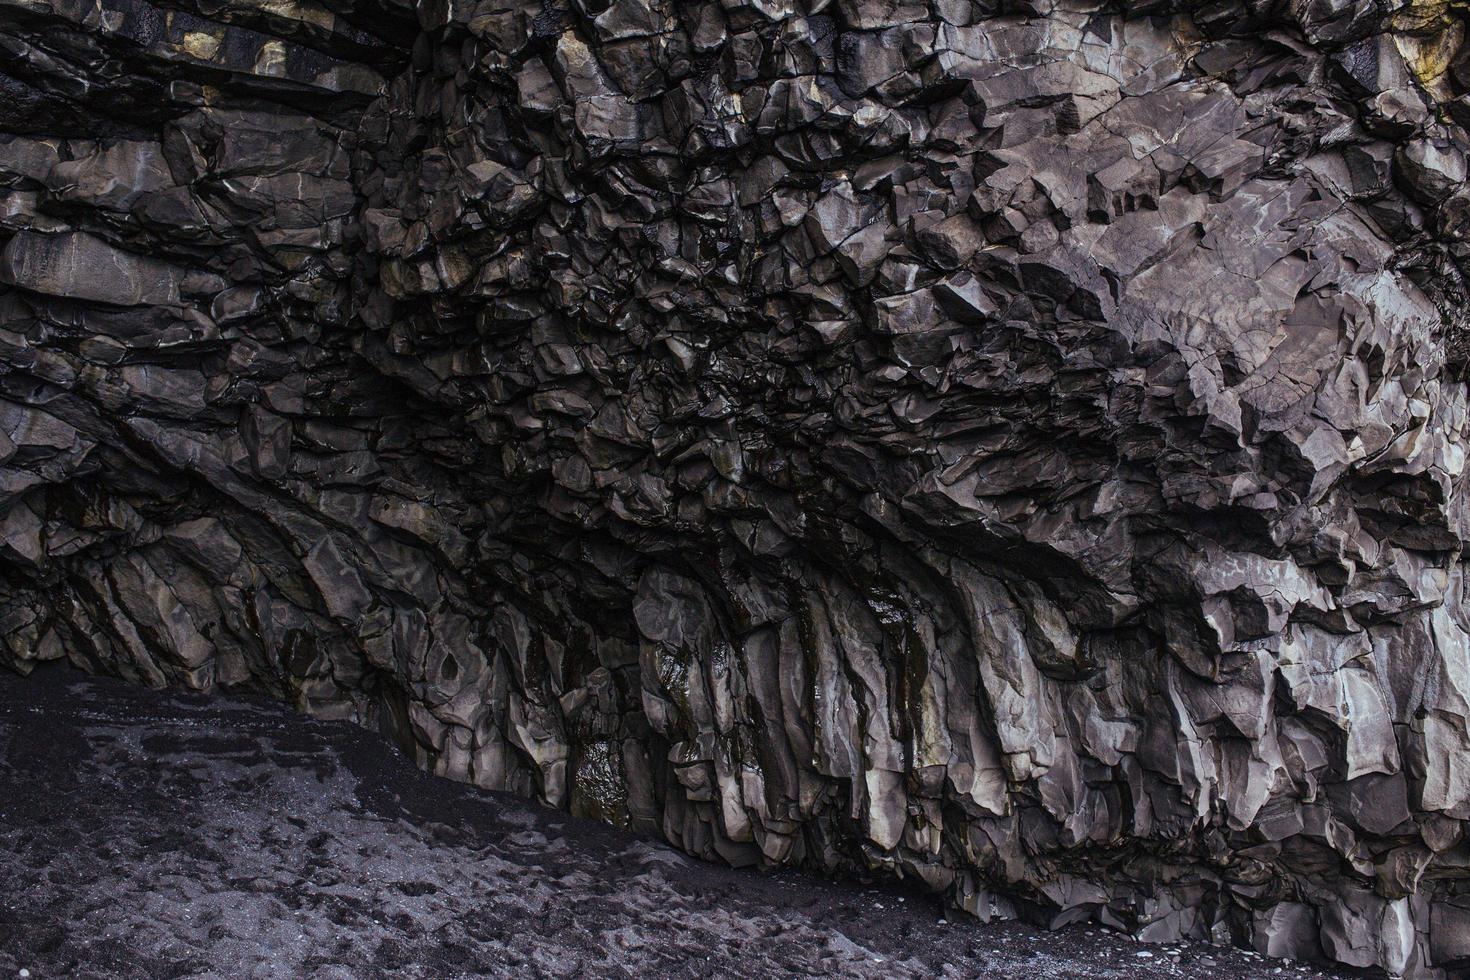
(1014,447)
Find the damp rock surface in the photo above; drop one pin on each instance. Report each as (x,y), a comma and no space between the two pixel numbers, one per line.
(147,835)
(1013,446)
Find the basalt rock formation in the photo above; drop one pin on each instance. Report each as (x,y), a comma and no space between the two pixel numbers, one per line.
(1017,445)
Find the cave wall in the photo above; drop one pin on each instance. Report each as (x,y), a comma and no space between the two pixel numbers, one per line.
(1017,446)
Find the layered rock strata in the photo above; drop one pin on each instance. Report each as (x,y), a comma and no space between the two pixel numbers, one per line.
(1013,445)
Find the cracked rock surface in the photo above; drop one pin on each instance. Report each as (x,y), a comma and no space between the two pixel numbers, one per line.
(1012,446)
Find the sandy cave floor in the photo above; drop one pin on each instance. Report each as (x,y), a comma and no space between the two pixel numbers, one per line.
(147,834)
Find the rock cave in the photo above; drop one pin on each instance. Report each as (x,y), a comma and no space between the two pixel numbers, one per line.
(1015,448)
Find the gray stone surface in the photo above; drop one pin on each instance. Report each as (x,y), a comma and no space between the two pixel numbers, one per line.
(1016,447)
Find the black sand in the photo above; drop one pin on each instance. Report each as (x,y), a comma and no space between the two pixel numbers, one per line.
(147,834)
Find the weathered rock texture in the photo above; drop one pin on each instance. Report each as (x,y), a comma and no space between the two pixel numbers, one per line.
(1011,445)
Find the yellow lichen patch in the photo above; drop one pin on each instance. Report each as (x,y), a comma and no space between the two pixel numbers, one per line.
(305,13)
(198,44)
(1420,16)
(1429,57)
(271,60)
(1428,35)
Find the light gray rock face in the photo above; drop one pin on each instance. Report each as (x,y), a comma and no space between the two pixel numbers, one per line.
(1010,445)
